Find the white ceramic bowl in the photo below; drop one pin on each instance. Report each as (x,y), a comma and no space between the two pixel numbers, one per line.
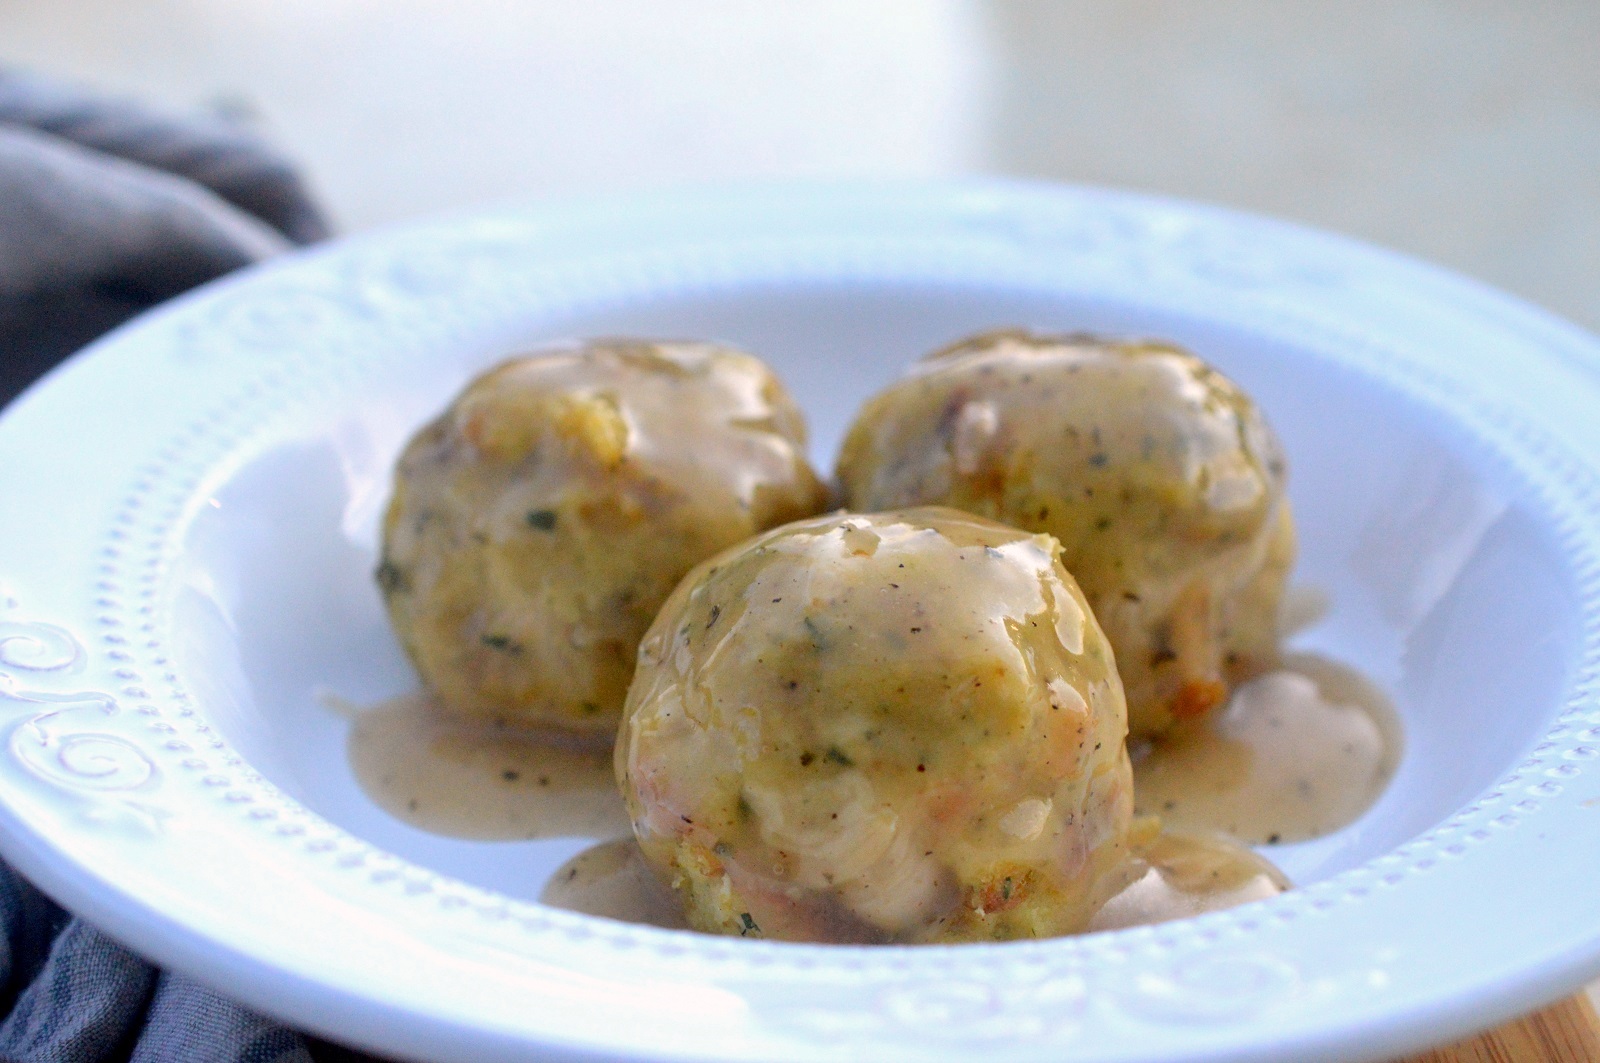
(188,534)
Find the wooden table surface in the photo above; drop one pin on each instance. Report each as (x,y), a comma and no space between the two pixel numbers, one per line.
(1568,1032)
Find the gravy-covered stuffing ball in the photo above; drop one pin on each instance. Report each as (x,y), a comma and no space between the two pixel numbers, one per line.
(538,524)
(1158,475)
(904,727)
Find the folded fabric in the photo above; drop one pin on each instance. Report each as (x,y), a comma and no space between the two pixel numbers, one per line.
(231,162)
(107,209)
(72,995)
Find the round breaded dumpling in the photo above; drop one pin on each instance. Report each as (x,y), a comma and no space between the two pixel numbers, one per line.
(538,524)
(1159,476)
(904,727)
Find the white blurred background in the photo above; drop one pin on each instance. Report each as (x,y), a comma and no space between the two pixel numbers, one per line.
(1465,131)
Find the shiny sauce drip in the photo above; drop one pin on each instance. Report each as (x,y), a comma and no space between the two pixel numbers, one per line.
(1186,875)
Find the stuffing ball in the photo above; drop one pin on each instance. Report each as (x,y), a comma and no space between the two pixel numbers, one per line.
(1157,474)
(903,727)
(538,524)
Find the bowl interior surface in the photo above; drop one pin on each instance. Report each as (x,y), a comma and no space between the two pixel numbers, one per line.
(1446,577)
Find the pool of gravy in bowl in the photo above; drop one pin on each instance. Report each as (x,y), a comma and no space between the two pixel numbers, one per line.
(1299,752)
(469,781)
(1295,754)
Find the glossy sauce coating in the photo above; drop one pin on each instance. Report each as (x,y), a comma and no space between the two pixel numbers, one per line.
(896,727)
(538,523)
(1159,477)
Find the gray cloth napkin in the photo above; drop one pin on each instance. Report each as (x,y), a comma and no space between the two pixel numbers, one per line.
(105,210)
(72,995)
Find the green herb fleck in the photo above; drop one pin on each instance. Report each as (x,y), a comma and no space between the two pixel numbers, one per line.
(392,578)
(819,641)
(543,519)
(504,643)
(837,756)
(747,925)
